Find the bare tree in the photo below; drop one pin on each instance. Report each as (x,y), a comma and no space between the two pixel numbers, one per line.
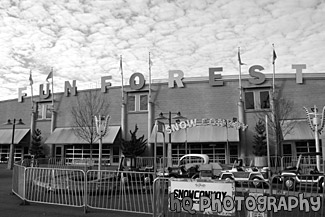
(88,104)
(279,119)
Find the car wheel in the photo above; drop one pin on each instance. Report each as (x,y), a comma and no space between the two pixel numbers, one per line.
(227,178)
(256,182)
(290,183)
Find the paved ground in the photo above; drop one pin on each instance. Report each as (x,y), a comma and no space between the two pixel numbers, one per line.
(11,205)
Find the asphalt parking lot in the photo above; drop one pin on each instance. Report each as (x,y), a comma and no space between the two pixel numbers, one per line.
(11,205)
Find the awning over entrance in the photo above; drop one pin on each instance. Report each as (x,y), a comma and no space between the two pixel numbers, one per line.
(199,134)
(299,130)
(65,136)
(6,135)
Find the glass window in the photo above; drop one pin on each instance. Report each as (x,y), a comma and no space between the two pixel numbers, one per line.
(265,99)
(306,146)
(143,102)
(48,111)
(249,100)
(131,103)
(137,102)
(44,111)
(257,99)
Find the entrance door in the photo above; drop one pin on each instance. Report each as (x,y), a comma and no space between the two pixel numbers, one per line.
(59,151)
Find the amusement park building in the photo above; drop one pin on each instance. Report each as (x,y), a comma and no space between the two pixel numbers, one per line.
(217,122)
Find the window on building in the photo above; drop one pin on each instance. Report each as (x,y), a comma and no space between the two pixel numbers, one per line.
(81,151)
(131,103)
(44,111)
(137,102)
(287,149)
(216,152)
(257,99)
(249,100)
(265,99)
(307,146)
(143,102)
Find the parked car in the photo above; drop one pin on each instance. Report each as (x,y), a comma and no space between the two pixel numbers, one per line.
(238,172)
(294,175)
(192,166)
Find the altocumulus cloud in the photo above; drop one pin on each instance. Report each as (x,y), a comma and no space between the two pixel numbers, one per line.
(83,40)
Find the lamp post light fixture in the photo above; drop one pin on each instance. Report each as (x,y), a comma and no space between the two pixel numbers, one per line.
(101,124)
(11,159)
(316,124)
(161,116)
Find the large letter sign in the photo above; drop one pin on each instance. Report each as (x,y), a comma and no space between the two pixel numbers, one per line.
(257,76)
(299,68)
(213,77)
(133,83)
(178,79)
(70,89)
(105,84)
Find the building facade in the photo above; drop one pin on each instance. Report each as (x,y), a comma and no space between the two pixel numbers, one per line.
(219,116)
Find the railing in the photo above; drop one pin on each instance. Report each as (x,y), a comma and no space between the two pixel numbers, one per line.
(277,163)
(18,180)
(81,163)
(110,190)
(138,191)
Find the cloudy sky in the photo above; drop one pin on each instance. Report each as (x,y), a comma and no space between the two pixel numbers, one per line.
(83,39)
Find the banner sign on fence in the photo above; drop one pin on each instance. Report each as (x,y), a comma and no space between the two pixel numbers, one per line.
(202,196)
(256,213)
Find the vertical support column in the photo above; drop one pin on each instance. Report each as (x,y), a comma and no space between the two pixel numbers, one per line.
(32,128)
(169,147)
(242,149)
(316,122)
(169,154)
(100,149)
(323,151)
(53,121)
(150,124)
(12,148)
(123,121)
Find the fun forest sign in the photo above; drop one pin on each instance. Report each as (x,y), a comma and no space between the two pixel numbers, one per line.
(175,77)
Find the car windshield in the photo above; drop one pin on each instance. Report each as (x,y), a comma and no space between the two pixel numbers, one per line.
(191,160)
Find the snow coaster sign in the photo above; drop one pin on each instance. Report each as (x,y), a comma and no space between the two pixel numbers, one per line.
(202,196)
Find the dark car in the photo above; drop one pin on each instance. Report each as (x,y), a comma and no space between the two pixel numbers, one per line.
(294,175)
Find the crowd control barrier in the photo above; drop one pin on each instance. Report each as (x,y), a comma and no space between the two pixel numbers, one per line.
(107,190)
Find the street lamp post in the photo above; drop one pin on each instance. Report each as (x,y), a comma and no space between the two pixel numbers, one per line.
(101,128)
(317,125)
(178,116)
(12,147)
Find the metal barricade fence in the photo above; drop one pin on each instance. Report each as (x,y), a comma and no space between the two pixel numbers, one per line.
(55,186)
(18,180)
(272,199)
(120,191)
(109,190)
